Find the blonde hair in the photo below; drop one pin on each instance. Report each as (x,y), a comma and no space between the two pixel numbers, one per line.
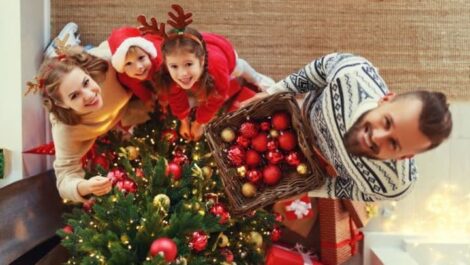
(53,70)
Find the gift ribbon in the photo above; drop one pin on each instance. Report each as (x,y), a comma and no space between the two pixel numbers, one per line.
(355,237)
(300,208)
(306,256)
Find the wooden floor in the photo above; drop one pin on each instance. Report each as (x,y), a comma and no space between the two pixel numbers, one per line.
(415,44)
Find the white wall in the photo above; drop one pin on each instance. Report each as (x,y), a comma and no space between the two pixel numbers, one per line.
(22,27)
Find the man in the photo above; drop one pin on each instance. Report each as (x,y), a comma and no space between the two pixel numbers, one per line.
(368,134)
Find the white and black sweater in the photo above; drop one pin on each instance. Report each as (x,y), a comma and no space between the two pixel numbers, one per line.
(341,87)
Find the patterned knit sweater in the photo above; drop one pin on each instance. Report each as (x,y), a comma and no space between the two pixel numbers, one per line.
(340,88)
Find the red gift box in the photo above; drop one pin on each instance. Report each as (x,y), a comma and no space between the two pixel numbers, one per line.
(299,208)
(278,255)
(339,234)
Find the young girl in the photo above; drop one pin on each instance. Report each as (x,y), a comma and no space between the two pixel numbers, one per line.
(202,67)
(85,100)
(137,57)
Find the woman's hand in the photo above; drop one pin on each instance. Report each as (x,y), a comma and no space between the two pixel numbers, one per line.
(97,185)
(197,130)
(185,129)
(256,97)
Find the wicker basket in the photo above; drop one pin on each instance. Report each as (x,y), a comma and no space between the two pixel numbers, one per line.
(288,186)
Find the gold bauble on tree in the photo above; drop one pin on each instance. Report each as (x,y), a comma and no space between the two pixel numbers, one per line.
(256,238)
(162,201)
(302,169)
(227,135)
(132,152)
(223,241)
(207,172)
(248,190)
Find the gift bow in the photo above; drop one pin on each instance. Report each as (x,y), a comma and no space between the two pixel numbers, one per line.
(306,256)
(300,208)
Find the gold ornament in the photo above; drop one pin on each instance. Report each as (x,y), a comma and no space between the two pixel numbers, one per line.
(162,201)
(241,171)
(248,190)
(223,241)
(125,239)
(274,133)
(207,172)
(371,210)
(302,169)
(256,238)
(182,261)
(132,152)
(228,135)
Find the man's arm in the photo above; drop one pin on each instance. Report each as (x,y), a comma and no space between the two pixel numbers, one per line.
(312,77)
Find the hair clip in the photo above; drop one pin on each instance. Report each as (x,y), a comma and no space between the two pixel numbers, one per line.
(35,86)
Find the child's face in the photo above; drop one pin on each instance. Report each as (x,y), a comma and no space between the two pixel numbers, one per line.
(137,64)
(80,92)
(184,68)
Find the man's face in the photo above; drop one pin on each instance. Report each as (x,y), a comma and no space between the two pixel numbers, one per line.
(390,131)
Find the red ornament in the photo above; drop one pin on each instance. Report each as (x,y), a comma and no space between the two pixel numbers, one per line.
(88,205)
(272,145)
(127,185)
(180,158)
(236,155)
(278,217)
(68,229)
(276,234)
(254,176)
(173,169)
(280,121)
(116,175)
(165,247)
(227,253)
(293,158)
(198,241)
(260,142)
(243,141)
(287,141)
(169,135)
(274,157)
(101,160)
(139,173)
(219,210)
(252,158)
(265,126)
(271,174)
(248,129)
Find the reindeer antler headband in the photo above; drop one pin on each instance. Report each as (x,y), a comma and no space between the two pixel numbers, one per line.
(38,83)
(179,21)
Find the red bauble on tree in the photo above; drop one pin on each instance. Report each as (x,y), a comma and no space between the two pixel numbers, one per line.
(252,158)
(287,141)
(198,241)
(68,229)
(139,173)
(276,234)
(271,174)
(219,210)
(243,141)
(236,155)
(254,176)
(166,247)
(280,121)
(249,129)
(88,205)
(227,253)
(293,158)
(116,175)
(180,158)
(127,185)
(169,135)
(173,169)
(274,157)
(260,142)
(100,160)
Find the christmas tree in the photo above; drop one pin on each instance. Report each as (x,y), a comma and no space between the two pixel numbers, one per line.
(167,205)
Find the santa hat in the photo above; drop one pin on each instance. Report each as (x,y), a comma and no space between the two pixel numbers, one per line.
(122,39)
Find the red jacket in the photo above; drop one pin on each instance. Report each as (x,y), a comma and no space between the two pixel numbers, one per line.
(221,63)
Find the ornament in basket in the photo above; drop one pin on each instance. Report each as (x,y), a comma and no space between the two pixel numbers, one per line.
(264,153)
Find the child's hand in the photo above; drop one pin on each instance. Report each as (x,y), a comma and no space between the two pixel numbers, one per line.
(96,185)
(196,130)
(185,130)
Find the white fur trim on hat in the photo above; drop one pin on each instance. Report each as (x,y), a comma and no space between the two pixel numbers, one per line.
(119,55)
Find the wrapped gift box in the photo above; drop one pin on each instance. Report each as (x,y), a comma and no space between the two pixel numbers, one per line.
(340,221)
(278,255)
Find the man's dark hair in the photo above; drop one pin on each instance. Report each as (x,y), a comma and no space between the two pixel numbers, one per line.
(435,120)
